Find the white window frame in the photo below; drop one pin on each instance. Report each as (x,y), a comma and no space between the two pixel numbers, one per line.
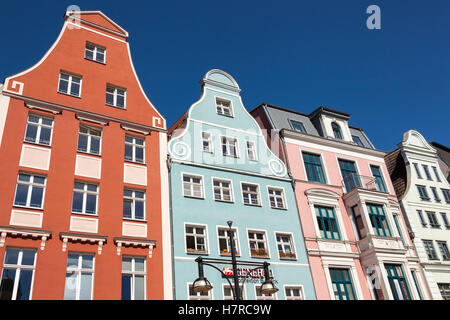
(191,190)
(198,294)
(207,139)
(251,149)
(69,83)
(259,204)
(30,186)
(39,126)
(94,52)
(85,192)
(221,180)
(133,273)
(227,145)
(205,236)
(221,107)
(89,138)
(283,197)
(265,240)
(236,236)
(79,270)
(272,296)
(134,146)
(19,267)
(133,201)
(294,287)
(115,94)
(227,286)
(291,243)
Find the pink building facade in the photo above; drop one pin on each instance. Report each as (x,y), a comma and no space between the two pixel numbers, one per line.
(355,235)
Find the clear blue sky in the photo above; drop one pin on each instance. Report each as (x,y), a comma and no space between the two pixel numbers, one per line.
(296,54)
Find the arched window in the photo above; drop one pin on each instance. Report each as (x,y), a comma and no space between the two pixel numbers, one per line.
(336,131)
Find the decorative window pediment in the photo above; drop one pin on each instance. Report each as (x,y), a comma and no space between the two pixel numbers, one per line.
(43,235)
(83,238)
(134,242)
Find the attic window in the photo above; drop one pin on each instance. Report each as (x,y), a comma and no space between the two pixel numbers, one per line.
(297,126)
(95,53)
(358,141)
(224,107)
(336,131)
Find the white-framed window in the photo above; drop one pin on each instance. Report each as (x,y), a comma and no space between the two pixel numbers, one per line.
(251,151)
(133,204)
(224,241)
(85,198)
(224,107)
(228,293)
(294,293)
(116,96)
(229,147)
(207,142)
(257,242)
(250,194)
(192,295)
(285,246)
(30,190)
(133,278)
(69,84)
(89,140)
(18,274)
(192,186)
(134,149)
(222,190)
(196,239)
(79,276)
(261,296)
(276,198)
(95,52)
(39,129)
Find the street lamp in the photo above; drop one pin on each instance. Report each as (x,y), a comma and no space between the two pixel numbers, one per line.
(201,284)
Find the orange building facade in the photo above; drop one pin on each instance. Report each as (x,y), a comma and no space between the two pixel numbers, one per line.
(83,209)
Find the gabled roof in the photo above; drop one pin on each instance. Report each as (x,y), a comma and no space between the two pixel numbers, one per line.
(98,20)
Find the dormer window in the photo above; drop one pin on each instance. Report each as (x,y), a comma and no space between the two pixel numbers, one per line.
(336,131)
(297,126)
(95,53)
(115,96)
(224,107)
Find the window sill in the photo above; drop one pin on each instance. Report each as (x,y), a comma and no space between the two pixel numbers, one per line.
(260,257)
(92,60)
(228,254)
(288,258)
(69,95)
(117,107)
(38,144)
(135,162)
(276,208)
(91,154)
(135,220)
(197,253)
(224,201)
(27,207)
(252,205)
(86,214)
(192,197)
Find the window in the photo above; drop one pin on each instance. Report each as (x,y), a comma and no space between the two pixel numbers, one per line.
(85,197)
(444,218)
(397,282)
(115,96)
(39,130)
(258,244)
(297,126)
(293,293)
(422,220)
(228,293)
(327,223)
(133,278)
(423,194)
(444,288)
(416,283)
(285,246)
(207,142)
(446,194)
(276,198)
(195,239)
(416,167)
(358,141)
(349,174)
(435,194)
(261,296)
(250,194)
(397,225)
(224,241)
(89,140)
(444,250)
(192,186)
(222,190)
(229,147)
(134,149)
(313,167)
(434,223)
(198,295)
(379,181)
(336,130)
(436,173)
(17,275)
(251,150)
(427,172)
(429,249)
(342,284)
(69,84)
(94,52)
(133,204)
(378,219)
(79,276)
(30,191)
(224,107)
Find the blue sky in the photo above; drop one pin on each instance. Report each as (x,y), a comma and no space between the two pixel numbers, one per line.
(295,54)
